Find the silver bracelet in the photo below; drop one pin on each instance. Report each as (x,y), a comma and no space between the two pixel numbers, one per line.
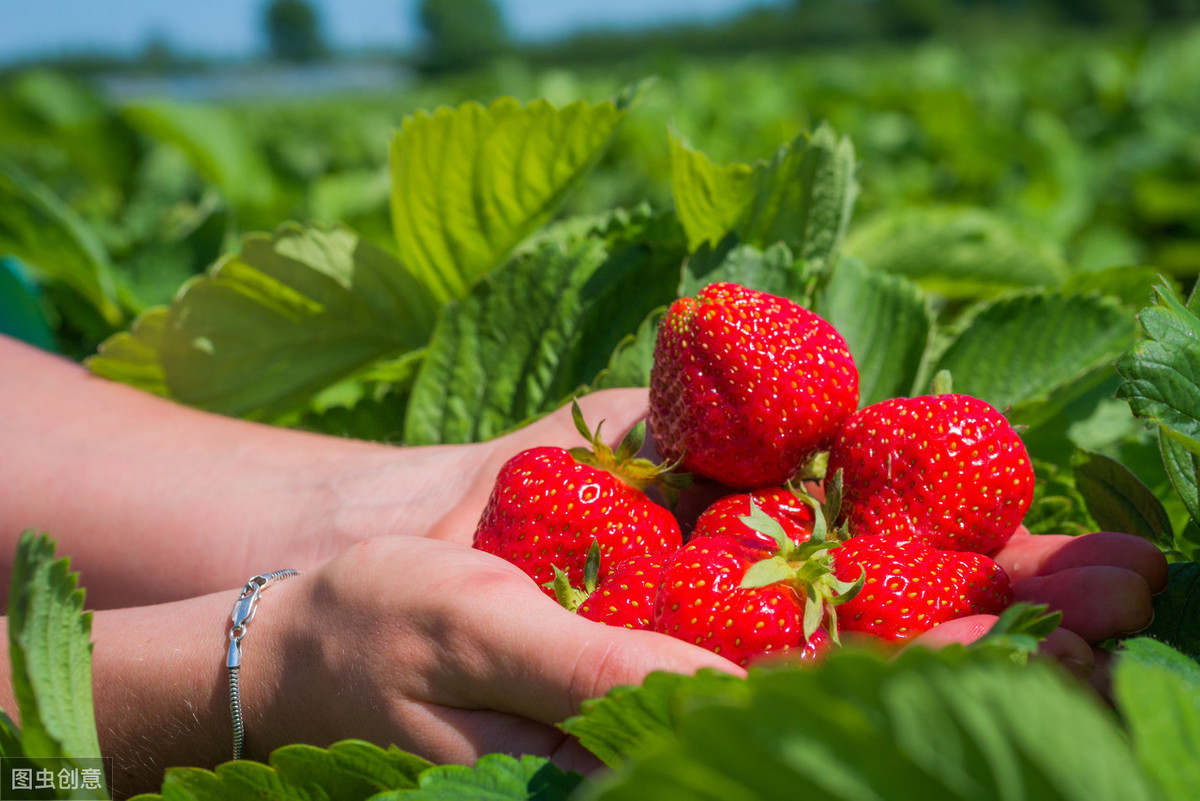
(243,613)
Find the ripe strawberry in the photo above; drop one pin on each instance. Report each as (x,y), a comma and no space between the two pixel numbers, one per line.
(549,505)
(947,469)
(746,386)
(780,503)
(701,600)
(626,597)
(910,586)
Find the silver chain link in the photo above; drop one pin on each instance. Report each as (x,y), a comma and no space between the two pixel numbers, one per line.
(242,616)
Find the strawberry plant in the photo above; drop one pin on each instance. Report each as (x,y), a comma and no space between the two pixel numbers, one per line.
(477,317)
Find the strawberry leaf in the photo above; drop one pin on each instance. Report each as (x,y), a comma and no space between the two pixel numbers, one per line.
(630,721)
(1157,691)
(803,196)
(887,323)
(495,777)
(468,184)
(1118,500)
(1177,610)
(774,270)
(1035,351)
(290,315)
(951,724)
(1019,629)
(540,328)
(957,253)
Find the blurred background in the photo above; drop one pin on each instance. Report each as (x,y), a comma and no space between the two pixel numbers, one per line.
(156,133)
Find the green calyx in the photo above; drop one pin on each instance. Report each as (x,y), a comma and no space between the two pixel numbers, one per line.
(641,474)
(807,567)
(569,596)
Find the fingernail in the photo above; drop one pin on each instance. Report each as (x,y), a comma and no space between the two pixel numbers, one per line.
(1077,667)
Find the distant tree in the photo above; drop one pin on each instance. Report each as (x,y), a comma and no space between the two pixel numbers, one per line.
(294,31)
(461,33)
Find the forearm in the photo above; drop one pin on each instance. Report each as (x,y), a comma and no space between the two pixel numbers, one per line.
(154,501)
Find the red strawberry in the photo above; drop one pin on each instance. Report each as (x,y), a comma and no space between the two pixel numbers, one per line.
(626,597)
(780,503)
(746,386)
(701,600)
(548,506)
(910,586)
(947,469)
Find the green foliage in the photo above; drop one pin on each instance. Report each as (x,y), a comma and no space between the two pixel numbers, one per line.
(1158,691)
(803,196)
(1177,608)
(49,237)
(887,323)
(269,327)
(1119,501)
(951,724)
(495,777)
(48,641)
(956,252)
(468,184)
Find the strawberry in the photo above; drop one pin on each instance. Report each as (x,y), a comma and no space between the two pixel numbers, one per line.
(700,600)
(549,505)
(780,503)
(626,597)
(947,469)
(747,386)
(910,586)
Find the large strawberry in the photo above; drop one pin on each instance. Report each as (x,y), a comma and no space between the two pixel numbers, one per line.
(548,505)
(746,386)
(947,469)
(701,600)
(910,587)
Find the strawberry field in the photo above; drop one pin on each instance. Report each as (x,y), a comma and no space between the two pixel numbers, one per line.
(454,263)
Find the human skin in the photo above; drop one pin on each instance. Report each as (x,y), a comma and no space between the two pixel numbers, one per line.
(397,632)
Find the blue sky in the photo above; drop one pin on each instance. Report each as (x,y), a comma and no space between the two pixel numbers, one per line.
(31,28)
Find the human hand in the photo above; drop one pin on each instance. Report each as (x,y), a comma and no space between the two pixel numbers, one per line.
(1101,582)
(443,650)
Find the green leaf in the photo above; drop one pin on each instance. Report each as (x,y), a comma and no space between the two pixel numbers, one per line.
(1181,458)
(54,243)
(1177,610)
(631,721)
(349,770)
(51,652)
(215,143)
(954,724)
(804,196)
(468,184)
(526,339)
(22,309)
(1118,500)
(772,270)
(134,357)
(495,777)
(1157,691)
(1162,373)
(266,329)
(956,252)
(886,322)
(1024,350)
(633,357)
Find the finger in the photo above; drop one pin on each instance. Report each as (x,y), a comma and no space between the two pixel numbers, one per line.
(1027,555)
(1096,601)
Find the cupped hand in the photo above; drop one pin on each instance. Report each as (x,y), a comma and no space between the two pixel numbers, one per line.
(446,651)
(1101,582)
